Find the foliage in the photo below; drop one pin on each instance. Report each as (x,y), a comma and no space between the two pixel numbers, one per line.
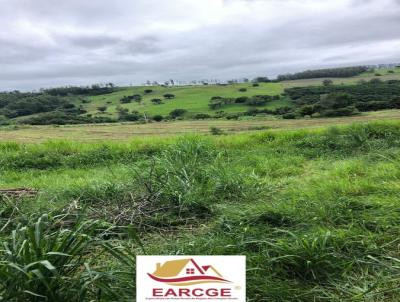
(177,113)
(44,261)
(325,73)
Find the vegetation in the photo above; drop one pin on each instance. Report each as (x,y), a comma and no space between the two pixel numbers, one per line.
(325,73)
(337,100)
(262,96)
(315,212)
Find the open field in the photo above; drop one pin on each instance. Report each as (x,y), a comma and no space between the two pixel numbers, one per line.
(384,72)
(127,131)
(194,99)
(315,211)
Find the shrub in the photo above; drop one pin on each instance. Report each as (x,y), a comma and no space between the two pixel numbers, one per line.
(216,98)
(177,113)
(242,89)
(156,101)
(289,115)
(216,131)
(169,96)
(102,108)
(41,262)
(215,104)
(125,100)
(201,116)
(327,82)
(256,101)
(158,118)
(241,99)
(346,111)
(255,85)
(147,91)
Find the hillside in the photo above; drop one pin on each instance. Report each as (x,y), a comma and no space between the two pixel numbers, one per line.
(194,99)
(321,97)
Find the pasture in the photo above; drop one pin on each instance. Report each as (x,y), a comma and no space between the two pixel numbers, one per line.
(315,211)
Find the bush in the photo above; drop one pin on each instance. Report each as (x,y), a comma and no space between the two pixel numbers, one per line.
(201,116)
(346,111)
(289,115)
(241,99)
(169,96)
(158,118)
(216,131)
(177,113)
(147,91)
(216,98)
(255,85)
(156,101)
(256,101)
(102,108)
(242,89)
(42,260)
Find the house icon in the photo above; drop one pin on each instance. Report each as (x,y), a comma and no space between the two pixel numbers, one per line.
(186,272)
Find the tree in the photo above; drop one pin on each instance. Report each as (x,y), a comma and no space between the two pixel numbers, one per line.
(137,98)
(158,118)
(156,101)
(177,113)
(256,85)
(147,91)
(336,100)
(262,80)
(169,96)
(102,108)
(327,82)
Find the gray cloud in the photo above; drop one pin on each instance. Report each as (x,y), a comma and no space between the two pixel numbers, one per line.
(47,42)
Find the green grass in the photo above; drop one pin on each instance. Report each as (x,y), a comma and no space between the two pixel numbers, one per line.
(385,75)
(315,211)
(194,99)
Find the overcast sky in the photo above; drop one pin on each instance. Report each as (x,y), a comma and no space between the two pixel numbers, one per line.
(46,43)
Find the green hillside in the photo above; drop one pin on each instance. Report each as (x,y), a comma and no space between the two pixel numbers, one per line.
(194,99)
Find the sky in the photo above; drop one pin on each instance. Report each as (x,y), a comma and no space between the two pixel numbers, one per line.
(47,43)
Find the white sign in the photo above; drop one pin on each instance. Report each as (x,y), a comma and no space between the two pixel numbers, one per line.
(191,278)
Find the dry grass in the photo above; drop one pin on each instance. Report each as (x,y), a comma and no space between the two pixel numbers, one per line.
(128,131)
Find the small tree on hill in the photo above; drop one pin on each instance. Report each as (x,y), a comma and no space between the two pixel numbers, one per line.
(169,96)
(102,109)
(177,113)
(327,82)
(156,101)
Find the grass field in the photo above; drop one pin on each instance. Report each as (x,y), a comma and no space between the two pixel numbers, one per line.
(127,131)
(194,99)
(385,75)
(316,212)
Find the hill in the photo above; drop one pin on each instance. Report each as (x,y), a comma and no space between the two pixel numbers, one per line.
(107,103)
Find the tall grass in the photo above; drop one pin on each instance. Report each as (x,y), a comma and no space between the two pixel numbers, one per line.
(315,212)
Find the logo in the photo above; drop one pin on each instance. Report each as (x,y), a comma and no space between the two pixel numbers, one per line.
(191,278)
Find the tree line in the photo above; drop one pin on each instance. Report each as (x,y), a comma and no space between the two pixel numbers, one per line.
(343,72)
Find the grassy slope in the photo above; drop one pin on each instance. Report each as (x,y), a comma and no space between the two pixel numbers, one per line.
(194,99)
(316,212)
(385,75)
